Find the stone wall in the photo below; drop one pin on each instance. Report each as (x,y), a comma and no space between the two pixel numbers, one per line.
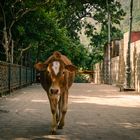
(98,73)
(114,70)
(118,64)
(135,56)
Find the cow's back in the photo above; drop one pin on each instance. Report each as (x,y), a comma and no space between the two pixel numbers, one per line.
(71,75)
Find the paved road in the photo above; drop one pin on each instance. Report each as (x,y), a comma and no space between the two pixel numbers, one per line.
(96,112)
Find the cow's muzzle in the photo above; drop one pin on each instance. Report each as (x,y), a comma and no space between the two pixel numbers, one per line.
(54,91)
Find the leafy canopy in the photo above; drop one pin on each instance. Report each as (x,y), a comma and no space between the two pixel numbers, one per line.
(45,26)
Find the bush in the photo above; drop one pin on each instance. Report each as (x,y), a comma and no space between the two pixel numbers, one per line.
(81,78)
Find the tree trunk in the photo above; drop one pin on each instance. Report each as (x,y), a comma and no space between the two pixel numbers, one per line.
(5,44)
(12,52)
(108,47)
(38,53)
(128,60)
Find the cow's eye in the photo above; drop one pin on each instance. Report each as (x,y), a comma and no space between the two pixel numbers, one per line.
(48,72)
(63,72)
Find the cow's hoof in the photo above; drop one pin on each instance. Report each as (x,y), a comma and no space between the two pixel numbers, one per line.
(52,132)
(60,127)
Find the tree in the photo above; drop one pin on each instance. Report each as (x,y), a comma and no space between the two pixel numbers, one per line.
(12,12)
(128,63)
(108,30)
(53,25)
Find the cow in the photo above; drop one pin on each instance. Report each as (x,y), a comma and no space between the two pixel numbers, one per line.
(56,76)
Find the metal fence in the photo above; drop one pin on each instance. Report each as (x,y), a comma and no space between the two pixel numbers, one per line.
(14,76)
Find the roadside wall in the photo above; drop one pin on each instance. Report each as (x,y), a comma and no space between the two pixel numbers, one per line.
(14,76)
(118,64)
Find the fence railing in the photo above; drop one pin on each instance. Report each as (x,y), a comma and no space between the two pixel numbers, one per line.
(14,76)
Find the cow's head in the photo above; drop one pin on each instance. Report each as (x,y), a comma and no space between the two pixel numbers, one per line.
(55,71)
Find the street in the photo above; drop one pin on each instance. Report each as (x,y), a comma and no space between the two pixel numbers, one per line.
(95,112)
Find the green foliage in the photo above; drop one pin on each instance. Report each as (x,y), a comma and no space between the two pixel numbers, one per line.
(81,78)
(48,26)
(21,30)
(136,15)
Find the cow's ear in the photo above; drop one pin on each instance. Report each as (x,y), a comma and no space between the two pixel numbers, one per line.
(71,68)
(40,66)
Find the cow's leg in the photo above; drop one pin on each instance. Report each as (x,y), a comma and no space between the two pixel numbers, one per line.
(59,109)
(53,105)
(54,124)
(63,110)
(57,116)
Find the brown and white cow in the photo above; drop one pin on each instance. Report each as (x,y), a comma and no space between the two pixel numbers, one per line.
(56,76)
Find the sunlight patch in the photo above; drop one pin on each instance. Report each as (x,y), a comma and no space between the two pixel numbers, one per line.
(30,110)
(40,101)
(123,101)
(52,137)
(131,125)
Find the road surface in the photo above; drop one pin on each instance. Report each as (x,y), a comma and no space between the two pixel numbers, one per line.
(95,112)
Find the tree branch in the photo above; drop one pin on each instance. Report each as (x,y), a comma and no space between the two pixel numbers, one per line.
(22,51)
(27,10)
(25,49)
(3,13)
